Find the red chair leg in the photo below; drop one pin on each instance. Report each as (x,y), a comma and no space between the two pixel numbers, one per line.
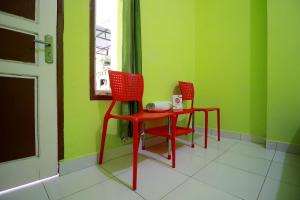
(143,142)
(141,124)
(193,144)
(189,121)
(206,129)
(173,151)
(193,133)
(169,155)
(219,127)
(135,155)
(139,140)
(104,129)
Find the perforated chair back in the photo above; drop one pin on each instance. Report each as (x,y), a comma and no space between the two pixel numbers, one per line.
(187,90)
(126,86)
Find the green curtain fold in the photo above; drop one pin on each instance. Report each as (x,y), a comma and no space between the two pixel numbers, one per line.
(131,55)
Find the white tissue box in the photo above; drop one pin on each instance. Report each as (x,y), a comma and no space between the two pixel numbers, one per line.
(177,101)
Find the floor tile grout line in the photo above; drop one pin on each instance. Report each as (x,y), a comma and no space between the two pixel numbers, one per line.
(84,188)
(212,186)
(209,164)
(244,170)
(140,195)
(262,185)
(171,168)
(245,154)
(87,187)
(115,176)
(214,159)
(46,191)
(175,188)
(200,155)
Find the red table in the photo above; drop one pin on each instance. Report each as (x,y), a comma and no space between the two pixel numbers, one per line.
(167,131)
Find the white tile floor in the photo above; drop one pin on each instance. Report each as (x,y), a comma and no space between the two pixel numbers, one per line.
(228,170)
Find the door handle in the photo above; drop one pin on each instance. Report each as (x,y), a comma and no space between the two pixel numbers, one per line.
(48,48)
(42,42)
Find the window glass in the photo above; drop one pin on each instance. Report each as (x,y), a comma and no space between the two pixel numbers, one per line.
(107,23)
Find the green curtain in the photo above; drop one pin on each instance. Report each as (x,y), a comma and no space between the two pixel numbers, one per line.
(131,55)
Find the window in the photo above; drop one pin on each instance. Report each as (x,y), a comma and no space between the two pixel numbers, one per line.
(105,42)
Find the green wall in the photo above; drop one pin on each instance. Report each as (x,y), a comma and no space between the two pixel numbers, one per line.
(239,58)
(284,71)
(168,37)
(231,63)
(258,69)
(168,43)
(83,118)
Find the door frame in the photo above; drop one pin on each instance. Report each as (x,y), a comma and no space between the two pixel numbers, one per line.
(60,82)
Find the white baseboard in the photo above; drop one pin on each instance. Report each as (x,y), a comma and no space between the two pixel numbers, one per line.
(278,146)
(239,136)
(224,133)
(283,147)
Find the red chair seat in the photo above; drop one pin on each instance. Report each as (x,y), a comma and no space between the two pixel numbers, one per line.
(164,131)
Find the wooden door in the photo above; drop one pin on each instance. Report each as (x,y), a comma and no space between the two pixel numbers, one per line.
(28,105)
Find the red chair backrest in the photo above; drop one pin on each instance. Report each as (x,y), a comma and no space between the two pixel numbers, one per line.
(187,90)
(126,86)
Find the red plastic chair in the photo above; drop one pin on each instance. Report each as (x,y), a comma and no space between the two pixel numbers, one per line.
(128,87)
(187,91)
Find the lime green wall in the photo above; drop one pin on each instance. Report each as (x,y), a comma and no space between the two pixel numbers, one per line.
(168,43)
(83,118)
(219,45)
(168,35)
(258,67)
(284,71)
(231,62)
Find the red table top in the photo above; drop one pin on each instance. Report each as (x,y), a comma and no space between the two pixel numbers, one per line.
(174,111)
